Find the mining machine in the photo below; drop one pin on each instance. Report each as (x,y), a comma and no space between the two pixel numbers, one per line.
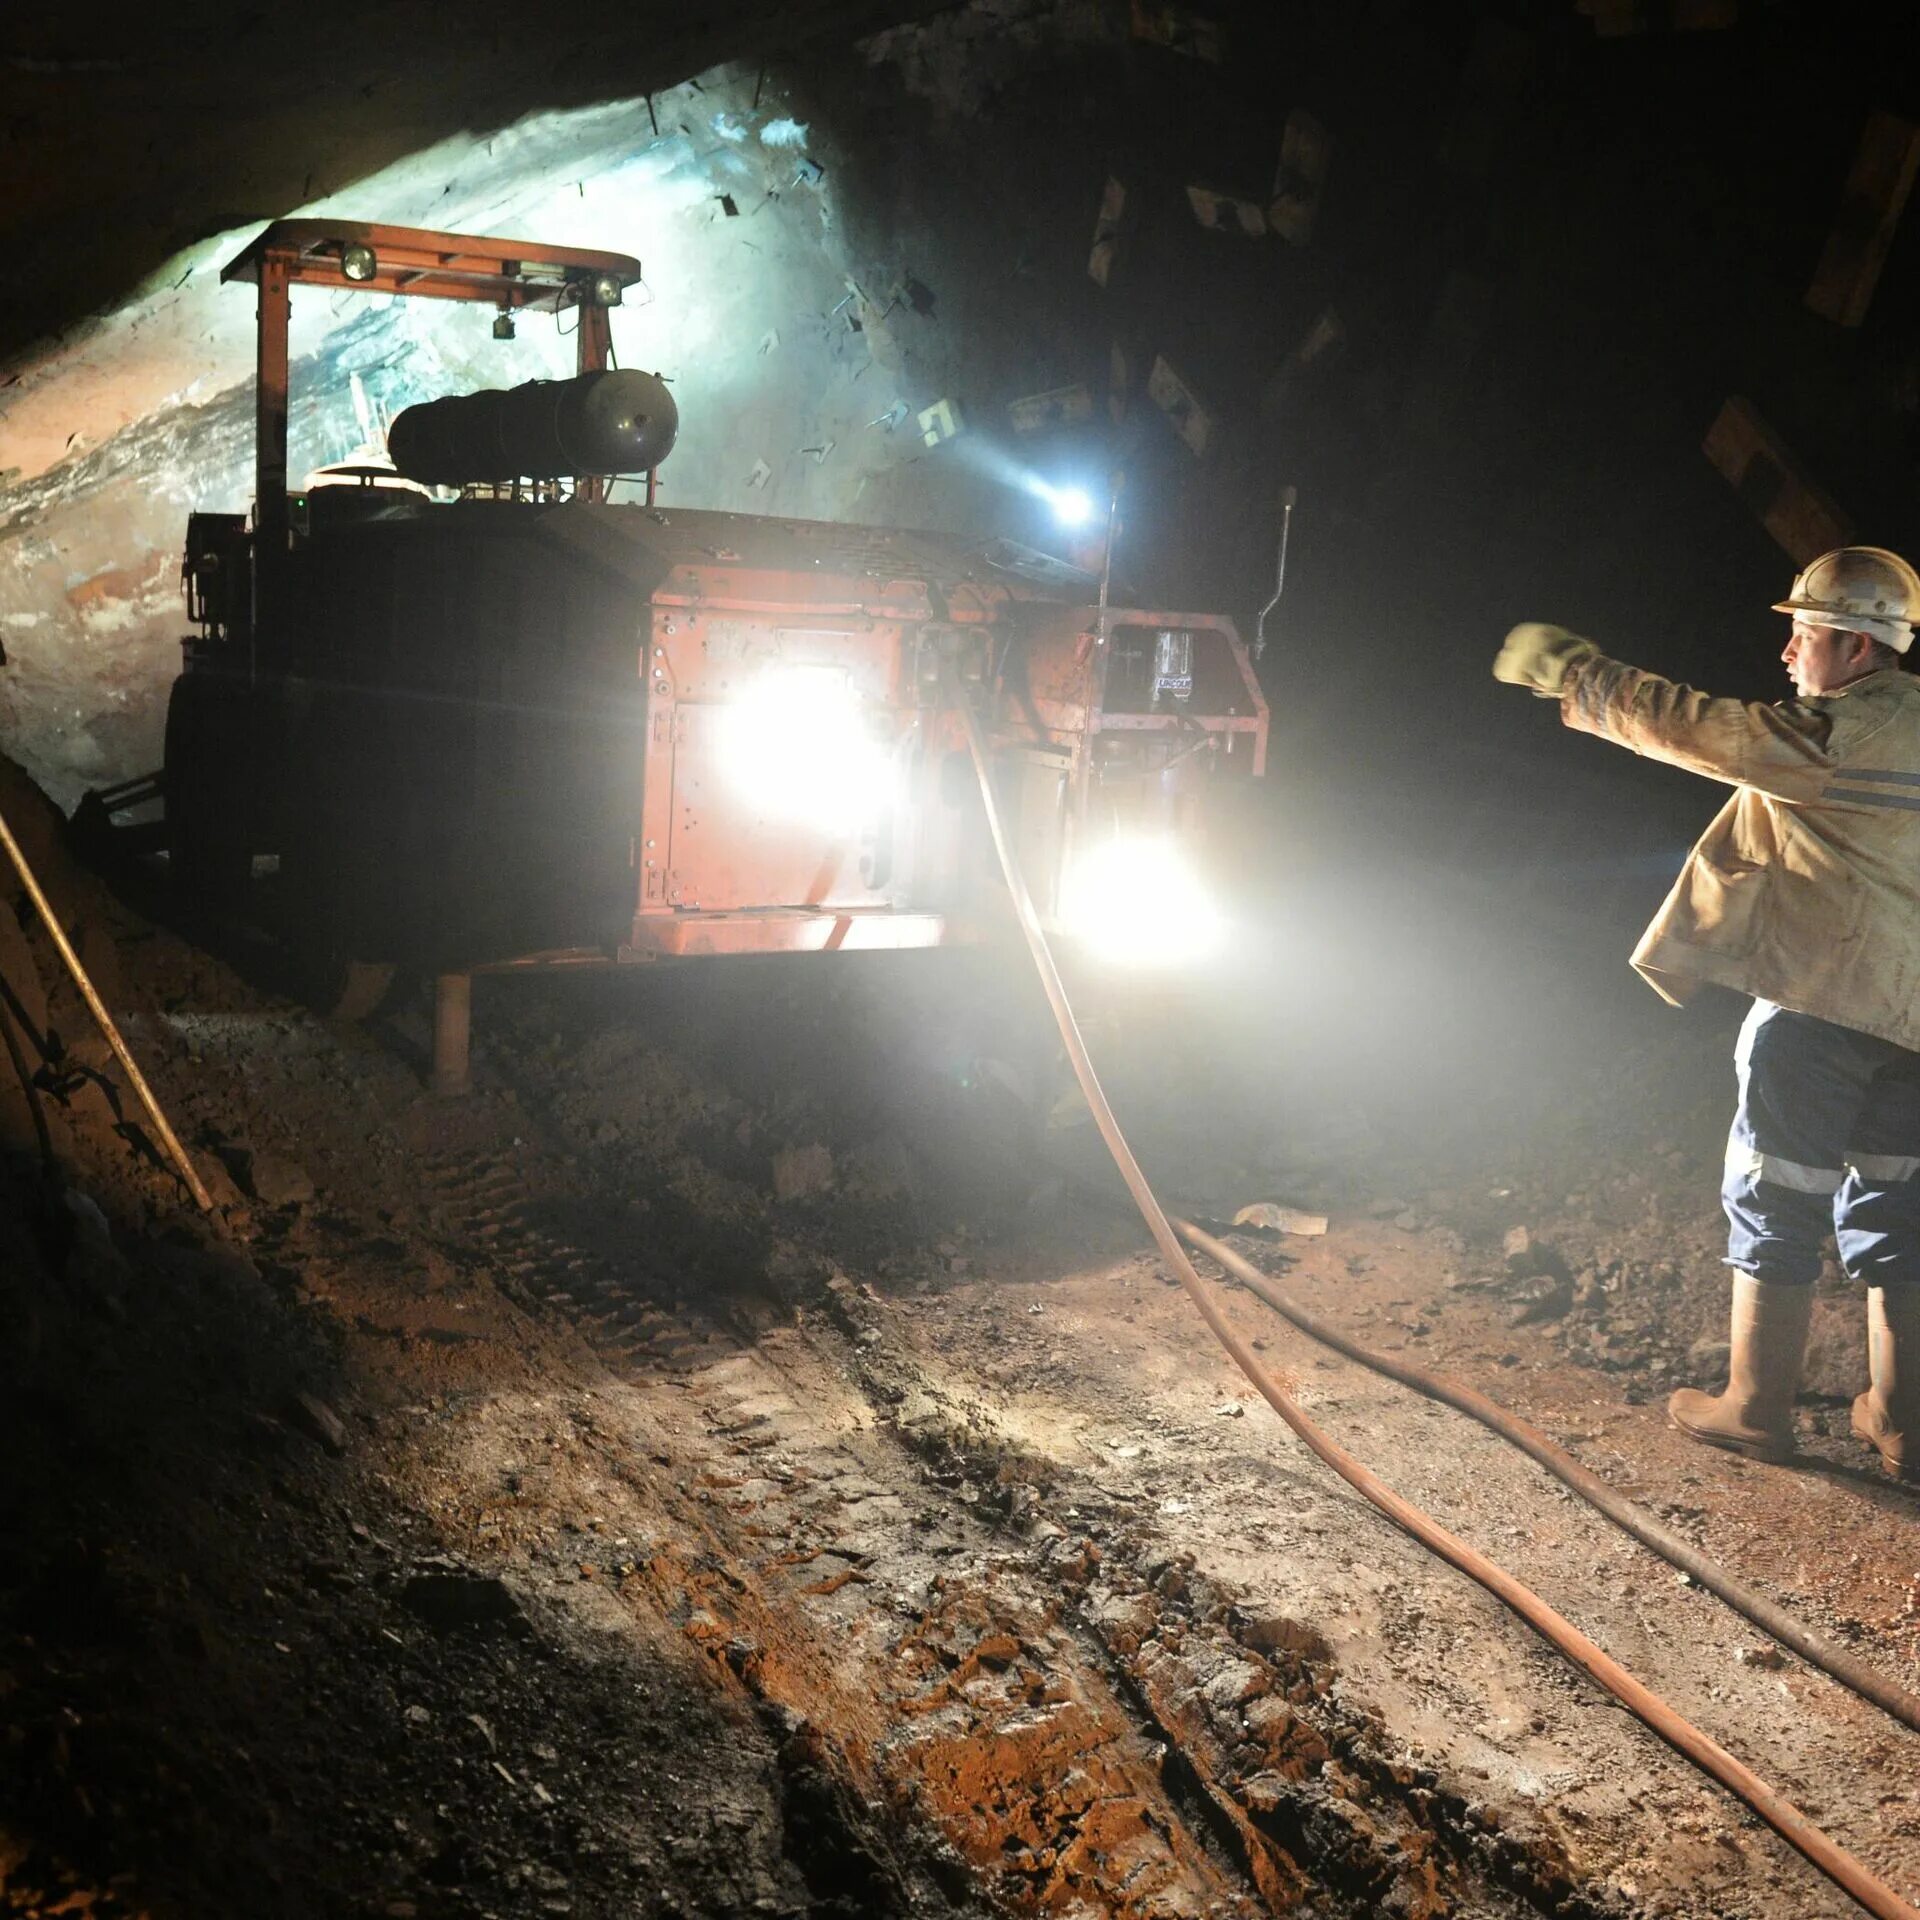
(471,713)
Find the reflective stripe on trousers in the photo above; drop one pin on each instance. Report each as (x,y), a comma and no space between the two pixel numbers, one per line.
(1826,1137)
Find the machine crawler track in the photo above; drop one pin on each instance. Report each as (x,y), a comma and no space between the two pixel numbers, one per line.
(503,1206)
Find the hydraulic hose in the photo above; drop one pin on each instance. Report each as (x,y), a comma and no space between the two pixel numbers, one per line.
(1768,1615)
(1847,1873)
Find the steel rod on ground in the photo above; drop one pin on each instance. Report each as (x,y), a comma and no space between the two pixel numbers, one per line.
(98,1008)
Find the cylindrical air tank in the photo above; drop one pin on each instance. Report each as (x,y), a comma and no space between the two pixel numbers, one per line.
(619,421)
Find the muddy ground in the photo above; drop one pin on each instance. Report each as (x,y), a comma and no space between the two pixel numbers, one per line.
(742,1460)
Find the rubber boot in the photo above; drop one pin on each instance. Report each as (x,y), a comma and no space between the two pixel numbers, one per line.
(1887,1415)
(1754,1415)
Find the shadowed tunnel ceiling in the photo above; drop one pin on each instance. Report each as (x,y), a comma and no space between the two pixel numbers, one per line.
(132,133)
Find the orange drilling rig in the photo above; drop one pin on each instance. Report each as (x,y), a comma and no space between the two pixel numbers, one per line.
(473,715)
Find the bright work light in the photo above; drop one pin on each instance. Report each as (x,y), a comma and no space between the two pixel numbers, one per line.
(1134,901)
(1072,506)
(798,747)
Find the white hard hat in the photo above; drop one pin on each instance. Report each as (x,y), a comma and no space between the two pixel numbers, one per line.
(1864,589)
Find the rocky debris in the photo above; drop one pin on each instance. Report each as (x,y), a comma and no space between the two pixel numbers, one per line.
(270,1178)
(318,1421)
(1304,1781)
(877,1170)
(1525,1257)
(1836,1361)
(1271,1217)
(1282,1638)
(451,1598)
(1708,1360)
(215,1175)
(799,1173)
(1534,1278)
(1549,1297)
(93,1263)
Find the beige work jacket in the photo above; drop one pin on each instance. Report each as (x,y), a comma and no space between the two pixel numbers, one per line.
(1805,890)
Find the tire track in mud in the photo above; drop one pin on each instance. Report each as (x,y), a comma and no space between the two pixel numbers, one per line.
(502,1202)
(1084,1724)
(1246,1704)
(907,1658)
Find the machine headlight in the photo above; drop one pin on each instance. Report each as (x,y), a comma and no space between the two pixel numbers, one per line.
(798,747)
(1135,901)
(1072,506)
(357,262)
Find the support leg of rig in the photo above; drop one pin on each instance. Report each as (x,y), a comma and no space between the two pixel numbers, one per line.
(452,1033)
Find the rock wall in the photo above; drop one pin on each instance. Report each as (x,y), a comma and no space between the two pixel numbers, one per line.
(831,247)
(116,434)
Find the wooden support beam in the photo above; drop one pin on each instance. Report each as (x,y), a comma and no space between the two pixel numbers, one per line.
(1493,82)
(1617,19)
(1226,212)
(1178,28)
(1300,180)
(1168,391)
(1884,166)
(1106,232)
(1760,469)
(1055,407)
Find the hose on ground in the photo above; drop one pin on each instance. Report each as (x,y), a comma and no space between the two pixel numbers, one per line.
(1847,1873)
(1768,1615)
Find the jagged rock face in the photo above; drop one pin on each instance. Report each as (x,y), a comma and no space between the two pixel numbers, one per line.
(789,223)
(780,319)
(118,436)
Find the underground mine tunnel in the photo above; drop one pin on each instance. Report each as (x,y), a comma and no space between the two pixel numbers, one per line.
(733,739)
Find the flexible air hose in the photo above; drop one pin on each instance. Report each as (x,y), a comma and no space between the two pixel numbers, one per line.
(1768,1615)
(1847,1873)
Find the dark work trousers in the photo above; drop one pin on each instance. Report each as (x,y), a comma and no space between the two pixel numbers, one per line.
(1827,1134)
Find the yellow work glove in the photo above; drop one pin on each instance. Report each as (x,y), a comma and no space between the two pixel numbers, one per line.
(1537,656)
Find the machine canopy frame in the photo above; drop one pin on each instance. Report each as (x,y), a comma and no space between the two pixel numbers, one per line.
(418,264)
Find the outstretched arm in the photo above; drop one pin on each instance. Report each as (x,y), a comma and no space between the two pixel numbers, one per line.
(1781,750)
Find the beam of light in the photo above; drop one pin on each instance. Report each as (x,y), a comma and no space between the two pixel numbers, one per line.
(1072,506)
(1135,901)
(798,747)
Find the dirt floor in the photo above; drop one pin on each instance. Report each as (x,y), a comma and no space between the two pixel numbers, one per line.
(742,1460)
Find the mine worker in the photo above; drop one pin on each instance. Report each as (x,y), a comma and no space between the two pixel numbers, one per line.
(1804,893)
